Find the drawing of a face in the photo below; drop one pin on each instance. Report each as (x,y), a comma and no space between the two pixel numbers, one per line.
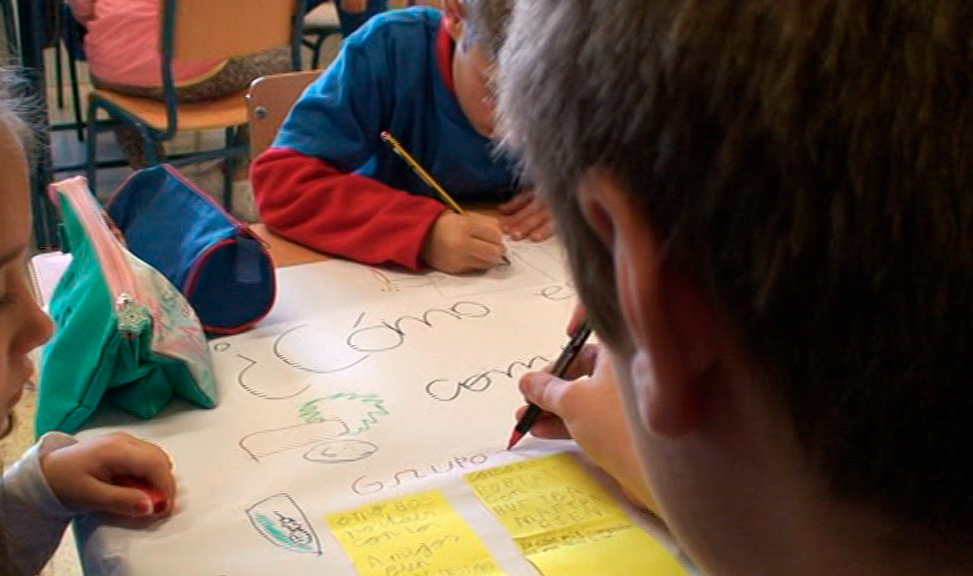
(341,451)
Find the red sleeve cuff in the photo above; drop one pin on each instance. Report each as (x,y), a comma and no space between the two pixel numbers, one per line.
(306,200)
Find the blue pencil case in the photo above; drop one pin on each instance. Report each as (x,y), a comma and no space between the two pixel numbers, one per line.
(215,260)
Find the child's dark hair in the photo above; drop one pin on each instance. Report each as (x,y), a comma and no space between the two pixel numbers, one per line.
(810,164)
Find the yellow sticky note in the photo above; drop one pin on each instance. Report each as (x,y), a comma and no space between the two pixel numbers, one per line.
(418,535)
(565,523)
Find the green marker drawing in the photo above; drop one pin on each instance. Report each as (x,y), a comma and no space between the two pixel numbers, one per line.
(358,412)
(328,424)
(282,523)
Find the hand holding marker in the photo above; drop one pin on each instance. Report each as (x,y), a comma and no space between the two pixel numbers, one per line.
(560,367)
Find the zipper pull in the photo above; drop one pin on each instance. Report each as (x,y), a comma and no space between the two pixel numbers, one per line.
(132,318)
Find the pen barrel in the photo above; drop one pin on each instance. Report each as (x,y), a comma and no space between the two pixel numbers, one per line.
(527,420)
(561,366)
(570,352)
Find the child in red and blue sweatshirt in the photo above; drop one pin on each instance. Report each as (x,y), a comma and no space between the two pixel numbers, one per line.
(331,183)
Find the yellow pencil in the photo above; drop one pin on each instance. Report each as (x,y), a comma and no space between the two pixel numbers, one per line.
(421,172)
(426,177)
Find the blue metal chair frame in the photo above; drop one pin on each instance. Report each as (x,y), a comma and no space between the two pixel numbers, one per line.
(25,32)
(29,33)
(321,34)
(70,39)
(150,136)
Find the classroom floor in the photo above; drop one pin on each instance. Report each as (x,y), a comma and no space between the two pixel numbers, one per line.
(67,149)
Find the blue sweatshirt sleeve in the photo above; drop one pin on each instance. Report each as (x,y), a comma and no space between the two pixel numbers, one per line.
(340,116)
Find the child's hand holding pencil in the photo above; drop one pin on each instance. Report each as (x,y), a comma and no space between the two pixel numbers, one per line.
(459,243)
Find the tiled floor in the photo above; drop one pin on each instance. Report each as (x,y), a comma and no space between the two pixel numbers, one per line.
(66,149)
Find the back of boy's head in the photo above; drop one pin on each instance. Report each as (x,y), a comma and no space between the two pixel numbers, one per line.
(810,165)
(485,24)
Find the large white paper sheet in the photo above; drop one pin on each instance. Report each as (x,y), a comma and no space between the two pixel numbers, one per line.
(361,385)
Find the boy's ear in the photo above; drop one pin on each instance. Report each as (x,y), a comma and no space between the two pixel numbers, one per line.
(453,19)
(673,328)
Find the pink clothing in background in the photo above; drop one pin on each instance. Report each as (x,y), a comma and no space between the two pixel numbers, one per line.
(123,44)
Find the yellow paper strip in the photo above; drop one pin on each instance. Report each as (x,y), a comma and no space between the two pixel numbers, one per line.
(565,523)
(418,535)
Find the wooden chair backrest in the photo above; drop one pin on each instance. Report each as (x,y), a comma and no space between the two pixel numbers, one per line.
(222,29)
(269,100)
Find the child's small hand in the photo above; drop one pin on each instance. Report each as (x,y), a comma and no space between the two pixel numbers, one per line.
(460,243)
(353,6)
(81,475)
(527,216)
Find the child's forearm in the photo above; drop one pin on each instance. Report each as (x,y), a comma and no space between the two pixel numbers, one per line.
(310,202)
(32,519)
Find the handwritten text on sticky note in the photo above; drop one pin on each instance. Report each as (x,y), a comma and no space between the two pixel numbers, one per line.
(565,523)
(418,535)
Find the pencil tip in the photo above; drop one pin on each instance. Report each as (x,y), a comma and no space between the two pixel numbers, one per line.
(514,439)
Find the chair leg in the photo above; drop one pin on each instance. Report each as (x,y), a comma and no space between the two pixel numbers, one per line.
(151,158)
(92,171)
(59,74)
(75,94)
(228,171)
(316,58)
(305,43)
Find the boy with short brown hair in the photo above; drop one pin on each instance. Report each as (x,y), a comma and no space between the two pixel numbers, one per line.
(767,208)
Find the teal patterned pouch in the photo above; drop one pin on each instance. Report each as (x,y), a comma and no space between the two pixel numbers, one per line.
(123,333)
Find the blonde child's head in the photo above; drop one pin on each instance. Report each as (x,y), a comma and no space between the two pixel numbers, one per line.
(23,325)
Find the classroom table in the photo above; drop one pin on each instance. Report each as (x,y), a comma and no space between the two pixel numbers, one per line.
(233,477)
(284,252)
